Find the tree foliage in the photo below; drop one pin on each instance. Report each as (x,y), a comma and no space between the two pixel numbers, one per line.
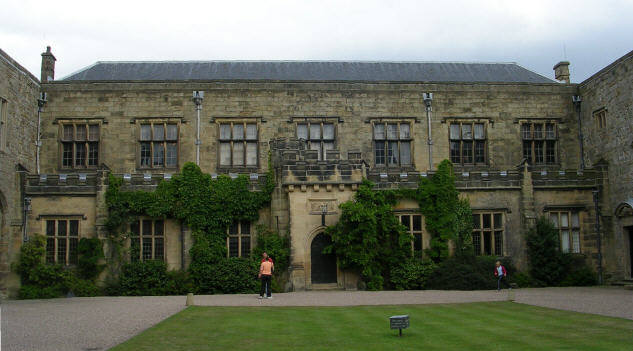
(546,261)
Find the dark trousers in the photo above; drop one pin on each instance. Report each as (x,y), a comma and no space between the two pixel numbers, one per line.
(266,289)
(502,280)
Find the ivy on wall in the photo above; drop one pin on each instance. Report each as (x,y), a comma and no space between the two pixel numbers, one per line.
(206,205)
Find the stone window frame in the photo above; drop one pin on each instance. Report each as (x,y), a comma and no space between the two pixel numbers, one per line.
(232,141)
(140,140)
(530,141)
(74,141)
(472,122)
(497,232)
(156,239)
(4,122)
(386,140)
(600,118)
(235,231)
(54,236)
(321,141)
(411,229)
(573,242)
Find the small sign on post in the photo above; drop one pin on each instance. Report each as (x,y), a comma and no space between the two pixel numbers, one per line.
(399,322)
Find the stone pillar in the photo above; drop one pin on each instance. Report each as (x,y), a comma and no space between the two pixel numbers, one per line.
(48,66)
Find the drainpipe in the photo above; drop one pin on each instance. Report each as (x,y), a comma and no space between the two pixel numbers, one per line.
(197,98)
(577,100)
(38,143)
(428,99)
(598,234)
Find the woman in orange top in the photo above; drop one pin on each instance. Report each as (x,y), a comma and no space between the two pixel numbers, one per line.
(266,269)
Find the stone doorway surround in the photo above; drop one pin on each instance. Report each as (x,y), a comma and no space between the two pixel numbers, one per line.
(624,228)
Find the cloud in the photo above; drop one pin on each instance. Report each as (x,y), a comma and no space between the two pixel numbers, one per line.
(535,34)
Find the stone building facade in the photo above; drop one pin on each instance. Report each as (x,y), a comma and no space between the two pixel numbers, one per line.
(19,91)
(513,136)
(606,111)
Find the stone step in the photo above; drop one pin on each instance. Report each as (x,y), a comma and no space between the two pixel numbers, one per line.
(331,286)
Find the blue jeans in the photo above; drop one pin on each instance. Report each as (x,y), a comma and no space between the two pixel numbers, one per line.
(501,280)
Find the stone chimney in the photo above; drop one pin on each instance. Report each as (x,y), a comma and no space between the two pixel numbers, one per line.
(561,71)
(48,66)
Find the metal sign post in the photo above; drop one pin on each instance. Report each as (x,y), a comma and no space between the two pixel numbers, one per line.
(399,322)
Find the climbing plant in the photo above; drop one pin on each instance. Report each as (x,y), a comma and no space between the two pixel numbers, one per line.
(206,205)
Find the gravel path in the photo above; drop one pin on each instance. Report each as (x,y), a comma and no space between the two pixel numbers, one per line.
(101,322)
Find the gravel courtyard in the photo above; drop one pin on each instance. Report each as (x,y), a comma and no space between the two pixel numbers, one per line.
(101,322)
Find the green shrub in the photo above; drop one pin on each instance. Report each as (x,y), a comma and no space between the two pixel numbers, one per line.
(82,287)
(584,276)
(90,252)
(476,273)
(547,264)
(227,276)
(412,274)
(31,256)
(521,279)
(178,283)
(147,278)
(38,292)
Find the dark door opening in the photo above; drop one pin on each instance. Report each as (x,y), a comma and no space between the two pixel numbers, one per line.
(323,265)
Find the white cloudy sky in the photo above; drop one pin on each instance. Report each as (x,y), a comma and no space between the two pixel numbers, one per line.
(534,33)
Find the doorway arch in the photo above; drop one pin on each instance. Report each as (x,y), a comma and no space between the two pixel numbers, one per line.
(323,266)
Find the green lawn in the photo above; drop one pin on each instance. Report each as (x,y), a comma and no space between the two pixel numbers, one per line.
(473,326)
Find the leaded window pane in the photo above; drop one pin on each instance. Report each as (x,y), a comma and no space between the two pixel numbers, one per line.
(50,228)
(405,131)
(50,250)
(538,131)
(146,132)
(159,154)
(251,132)
(550,131)
(234,228)
(486,220)
(406,221)
(379,131)
(172,155)
(147,227)
(328,145)
(302,131)
(550,152)
(392,131)
(245,227)
(315,145)
(74,227)
(575,241)
(251,154)
(499,243)
(172,132)
(159,248)
(497,219)
(159,228)
(238,132)
(246,246)
(159,132)
(380,152)
(467,131)
(392,153)
(146,152)
(315,131)
(575,220)
(405,153)
(225,131)
(417,223)
(72,250)
(479,131)
(80,154)
(147,248)
(61,250)
(233,246)
(527,151)
(455,132)
(526,132)
(564,240)
(477,221)
(538,152)
(93,132)
(62,228)
(67,154)
(225,154)
(553,217)
(564,220)
(480,152)
(68,132)
(328,131)
(238,154)
(80,132)
(467,151)
(93,154)
(455,152)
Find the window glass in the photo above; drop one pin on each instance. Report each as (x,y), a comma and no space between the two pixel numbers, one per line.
(380,152)
(526,132)
(575,240)
(225,154)
(302,131)
(553,217)
(146,132)
(550,131)
(405,153)
(479,131)
(328,145)
(486,220)
(50,228)
(159,227)
(251,132)
(238,132)
(145,154)
(564,220)
(80,154)
(538,131)
(315,131)
(93,132)
(225,131)
(238,154)
(467,131)
(159,154)
(234,228)
(392,153)
(74,227)
(328,131)
(564,240)
(172,155)
(405,132)
(455,132)
(392,131)
(497,220)
(172,132)
(68,132)
(159,132)
(379,131)
(251,154)
(62,228)
(417,222)
(575,221)
(80,132)
(467,151)
(406,221)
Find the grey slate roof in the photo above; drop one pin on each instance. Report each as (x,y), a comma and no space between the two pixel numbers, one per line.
(364,71)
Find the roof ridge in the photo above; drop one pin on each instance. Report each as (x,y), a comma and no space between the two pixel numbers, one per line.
(306,61)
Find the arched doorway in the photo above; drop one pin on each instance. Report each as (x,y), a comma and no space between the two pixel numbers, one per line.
(323,266)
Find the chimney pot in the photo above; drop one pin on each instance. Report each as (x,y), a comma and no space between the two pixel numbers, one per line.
(561,71)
